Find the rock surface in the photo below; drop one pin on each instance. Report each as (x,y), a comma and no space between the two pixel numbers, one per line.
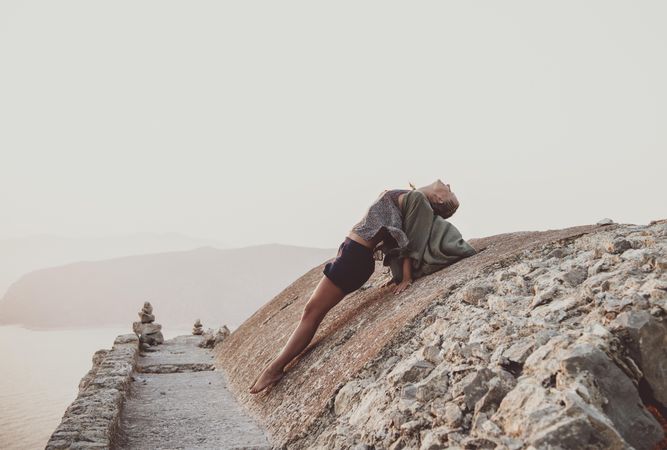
(550,339)
(210,338)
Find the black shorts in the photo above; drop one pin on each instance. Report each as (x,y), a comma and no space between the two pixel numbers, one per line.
(352,267)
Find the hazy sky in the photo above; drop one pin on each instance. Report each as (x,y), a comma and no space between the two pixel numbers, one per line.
(254,122)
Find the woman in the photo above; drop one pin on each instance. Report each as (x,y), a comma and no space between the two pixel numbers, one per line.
(354,265)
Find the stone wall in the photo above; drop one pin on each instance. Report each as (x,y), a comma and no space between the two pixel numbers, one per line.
(92,419)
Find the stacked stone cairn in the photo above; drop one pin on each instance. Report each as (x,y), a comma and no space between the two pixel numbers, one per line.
(148,332)
(211,338)
(198,328)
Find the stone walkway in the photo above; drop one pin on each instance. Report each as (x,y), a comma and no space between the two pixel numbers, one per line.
(178,400)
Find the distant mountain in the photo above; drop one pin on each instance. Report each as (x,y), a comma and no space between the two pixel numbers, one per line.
(22,255)
(220,286)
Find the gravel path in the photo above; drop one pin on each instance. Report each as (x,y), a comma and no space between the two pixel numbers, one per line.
(178,400)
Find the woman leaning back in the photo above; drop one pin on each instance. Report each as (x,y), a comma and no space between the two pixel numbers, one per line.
(353,266)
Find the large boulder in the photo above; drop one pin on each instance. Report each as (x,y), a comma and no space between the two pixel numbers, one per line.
(602,384)
(573,395)
(645,338)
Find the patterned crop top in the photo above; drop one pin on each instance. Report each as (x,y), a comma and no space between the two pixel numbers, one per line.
(384,216)
(395,193)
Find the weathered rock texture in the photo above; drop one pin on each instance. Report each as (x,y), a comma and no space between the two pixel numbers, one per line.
(92,419)
(210,338)
(551,339)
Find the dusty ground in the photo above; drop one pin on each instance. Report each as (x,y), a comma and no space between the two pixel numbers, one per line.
(178,400)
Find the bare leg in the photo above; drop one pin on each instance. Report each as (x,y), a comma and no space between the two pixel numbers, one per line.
(326,296)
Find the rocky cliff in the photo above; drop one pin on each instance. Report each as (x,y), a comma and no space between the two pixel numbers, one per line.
(553,339)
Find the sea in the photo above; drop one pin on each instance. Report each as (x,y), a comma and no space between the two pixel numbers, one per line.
(40,372)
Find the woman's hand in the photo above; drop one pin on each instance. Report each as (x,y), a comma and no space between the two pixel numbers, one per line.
(403,285)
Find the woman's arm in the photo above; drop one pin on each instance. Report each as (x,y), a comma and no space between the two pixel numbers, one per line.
(407,269)
(407,276)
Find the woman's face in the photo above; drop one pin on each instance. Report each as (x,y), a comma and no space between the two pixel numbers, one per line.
(442,199)
(440,192)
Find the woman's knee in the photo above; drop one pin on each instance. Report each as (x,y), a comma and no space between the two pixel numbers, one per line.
(313,312)
(326,296)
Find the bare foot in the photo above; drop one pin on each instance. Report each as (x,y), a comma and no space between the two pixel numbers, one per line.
(267,378)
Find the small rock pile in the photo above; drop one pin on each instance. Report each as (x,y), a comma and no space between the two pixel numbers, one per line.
(211,339)
(198,328)
(148,332)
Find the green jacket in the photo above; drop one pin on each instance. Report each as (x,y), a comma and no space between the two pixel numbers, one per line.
(434,242)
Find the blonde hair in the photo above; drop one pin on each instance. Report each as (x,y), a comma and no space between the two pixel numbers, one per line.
(446,209)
